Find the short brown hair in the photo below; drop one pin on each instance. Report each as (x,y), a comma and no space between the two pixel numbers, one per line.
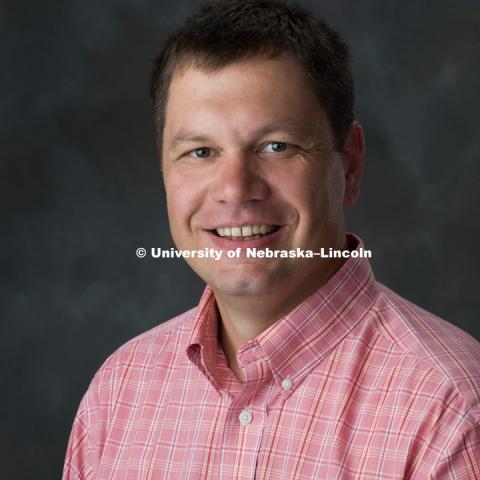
(223,32)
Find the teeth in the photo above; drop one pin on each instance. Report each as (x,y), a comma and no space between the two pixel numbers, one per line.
(245,231)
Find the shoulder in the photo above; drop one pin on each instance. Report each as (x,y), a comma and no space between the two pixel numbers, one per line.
(119,386)
(162,344)
(433,343)
(158,335)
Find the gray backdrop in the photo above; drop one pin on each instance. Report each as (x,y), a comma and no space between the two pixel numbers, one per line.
(81,190)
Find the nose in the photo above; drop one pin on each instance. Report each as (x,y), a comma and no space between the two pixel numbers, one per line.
(238,179)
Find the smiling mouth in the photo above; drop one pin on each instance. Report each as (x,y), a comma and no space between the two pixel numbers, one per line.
(245,232)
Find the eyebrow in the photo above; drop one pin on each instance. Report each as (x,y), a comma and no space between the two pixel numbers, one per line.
(184,136)
(188,136)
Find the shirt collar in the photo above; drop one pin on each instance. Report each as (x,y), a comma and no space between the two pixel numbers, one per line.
(297,342)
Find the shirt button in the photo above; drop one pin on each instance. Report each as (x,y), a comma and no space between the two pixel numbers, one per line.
(245,416)
(287,384)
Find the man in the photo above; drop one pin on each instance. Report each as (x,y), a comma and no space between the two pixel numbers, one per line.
(290,367)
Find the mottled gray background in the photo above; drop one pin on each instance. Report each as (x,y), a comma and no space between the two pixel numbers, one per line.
(80,187)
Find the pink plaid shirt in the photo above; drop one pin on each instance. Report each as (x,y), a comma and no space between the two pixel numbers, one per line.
(354,383)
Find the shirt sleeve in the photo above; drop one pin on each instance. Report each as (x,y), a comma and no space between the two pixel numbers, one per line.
(462,459)
(79,462)
(84,446)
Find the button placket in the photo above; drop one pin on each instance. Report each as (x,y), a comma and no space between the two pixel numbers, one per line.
(246,416)
(287,384)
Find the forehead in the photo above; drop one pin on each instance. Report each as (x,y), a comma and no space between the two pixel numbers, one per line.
(242,97)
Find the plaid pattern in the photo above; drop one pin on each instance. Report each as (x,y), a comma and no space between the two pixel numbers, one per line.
(355,383)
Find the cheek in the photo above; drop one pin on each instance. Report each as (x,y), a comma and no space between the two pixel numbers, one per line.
(178,201)
(315,193)
(301,187)
(184,198)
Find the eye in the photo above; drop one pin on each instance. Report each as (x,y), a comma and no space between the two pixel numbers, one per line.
(275,147)
(202,152)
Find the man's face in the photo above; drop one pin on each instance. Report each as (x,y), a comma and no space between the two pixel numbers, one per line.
(248,161)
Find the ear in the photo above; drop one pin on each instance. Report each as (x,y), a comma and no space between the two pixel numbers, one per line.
(353,156)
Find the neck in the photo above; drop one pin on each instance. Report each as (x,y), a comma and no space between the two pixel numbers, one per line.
(242,318)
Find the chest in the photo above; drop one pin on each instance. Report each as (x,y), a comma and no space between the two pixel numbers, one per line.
(322,429)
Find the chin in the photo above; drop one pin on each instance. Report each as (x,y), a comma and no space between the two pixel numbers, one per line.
(239,288)
(245,283)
